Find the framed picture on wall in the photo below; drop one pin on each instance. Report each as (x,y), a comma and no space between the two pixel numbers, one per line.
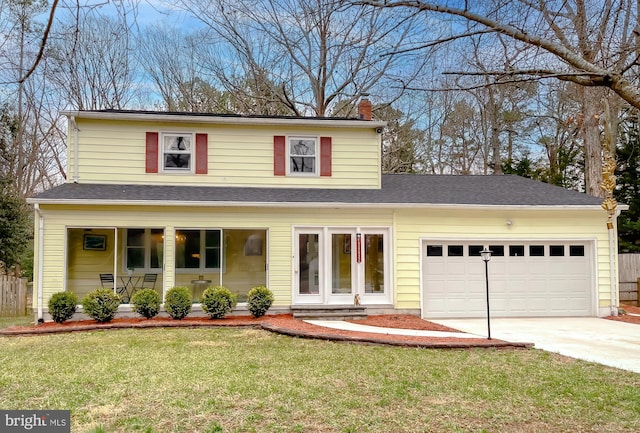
(95,242)
(253,246)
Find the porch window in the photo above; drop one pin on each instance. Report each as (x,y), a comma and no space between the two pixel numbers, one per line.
(198,250)
(234,258)
(144,248)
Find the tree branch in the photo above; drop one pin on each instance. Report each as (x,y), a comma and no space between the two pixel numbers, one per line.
(438,42)
(590,73)
(45,36)
(563,77)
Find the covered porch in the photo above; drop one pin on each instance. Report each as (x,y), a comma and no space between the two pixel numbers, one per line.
(127,259)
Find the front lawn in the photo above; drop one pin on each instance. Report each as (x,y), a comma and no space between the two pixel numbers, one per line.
(7,322)
(247,380)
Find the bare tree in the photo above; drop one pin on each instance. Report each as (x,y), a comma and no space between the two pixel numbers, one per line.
(558,128)
(592,44)
(31,148)
(77,62)
(403,143)
(312,56)
(589,43)
(91,61)
(175,75)
(462,132)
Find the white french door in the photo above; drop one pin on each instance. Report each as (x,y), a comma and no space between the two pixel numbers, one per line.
(341,267)
(307,264)
(333,265)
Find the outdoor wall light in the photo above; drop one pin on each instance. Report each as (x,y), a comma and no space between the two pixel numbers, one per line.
(486,256)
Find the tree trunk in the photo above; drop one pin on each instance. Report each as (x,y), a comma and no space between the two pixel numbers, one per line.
(591,138)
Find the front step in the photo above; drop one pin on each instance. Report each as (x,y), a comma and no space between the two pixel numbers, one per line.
(329,312)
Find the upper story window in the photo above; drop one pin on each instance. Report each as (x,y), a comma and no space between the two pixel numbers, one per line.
(303,153)
(300,155)
(177,152)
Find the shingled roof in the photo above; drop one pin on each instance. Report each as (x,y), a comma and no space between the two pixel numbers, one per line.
(397,190)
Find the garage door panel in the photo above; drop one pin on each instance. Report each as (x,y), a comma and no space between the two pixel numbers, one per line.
(498,304)
(456,269)
(496,288)
(496,270)
(518,266)
(519,285)
(516,306)
(558,267)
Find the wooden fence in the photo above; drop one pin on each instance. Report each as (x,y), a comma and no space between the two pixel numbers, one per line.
(629,278)
(13,296)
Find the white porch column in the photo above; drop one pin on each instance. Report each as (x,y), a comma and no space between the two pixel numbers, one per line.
(169,265)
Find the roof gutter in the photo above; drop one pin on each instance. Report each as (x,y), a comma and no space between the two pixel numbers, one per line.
(226,120)
(164,203)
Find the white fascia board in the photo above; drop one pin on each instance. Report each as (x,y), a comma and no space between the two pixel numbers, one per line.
(223,120)
(305,204)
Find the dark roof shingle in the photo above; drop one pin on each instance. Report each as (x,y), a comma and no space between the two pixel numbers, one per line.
(397,189)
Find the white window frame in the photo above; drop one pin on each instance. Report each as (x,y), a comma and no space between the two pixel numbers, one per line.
(146,248)
(316,155)
(203,249)
(191,152)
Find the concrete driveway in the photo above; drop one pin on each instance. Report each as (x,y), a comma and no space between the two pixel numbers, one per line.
(607,342)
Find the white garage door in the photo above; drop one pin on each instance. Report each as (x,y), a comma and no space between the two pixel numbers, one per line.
(526,279)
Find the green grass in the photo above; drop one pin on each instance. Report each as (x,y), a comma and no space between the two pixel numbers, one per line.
(246,380)
(6,322)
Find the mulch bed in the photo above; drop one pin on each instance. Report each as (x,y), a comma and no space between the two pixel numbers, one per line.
(632,315)
(287,325)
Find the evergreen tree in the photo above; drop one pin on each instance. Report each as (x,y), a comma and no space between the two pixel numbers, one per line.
(628,185)
(15,224)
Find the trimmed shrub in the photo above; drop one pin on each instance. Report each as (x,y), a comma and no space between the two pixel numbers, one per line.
(62,305)
(146,302)
(217,301)
(259,299)
(177,302)
(101,305)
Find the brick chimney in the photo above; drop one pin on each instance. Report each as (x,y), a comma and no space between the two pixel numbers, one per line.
(364,108)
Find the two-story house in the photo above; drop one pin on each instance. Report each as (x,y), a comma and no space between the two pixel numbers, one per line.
(300,205)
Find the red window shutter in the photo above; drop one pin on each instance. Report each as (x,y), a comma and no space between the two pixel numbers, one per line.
(152,152)
(279,155)
(325,156)
(202,150)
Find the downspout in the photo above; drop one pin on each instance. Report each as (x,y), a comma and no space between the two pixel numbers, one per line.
(76,176)
(612,262)
(40,259)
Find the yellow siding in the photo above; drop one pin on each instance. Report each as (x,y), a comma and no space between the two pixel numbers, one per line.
(484,225)
(410,226)
(278,222)
(114,152)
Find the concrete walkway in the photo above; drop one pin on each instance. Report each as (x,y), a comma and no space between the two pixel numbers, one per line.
(355,327)
(607,342)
